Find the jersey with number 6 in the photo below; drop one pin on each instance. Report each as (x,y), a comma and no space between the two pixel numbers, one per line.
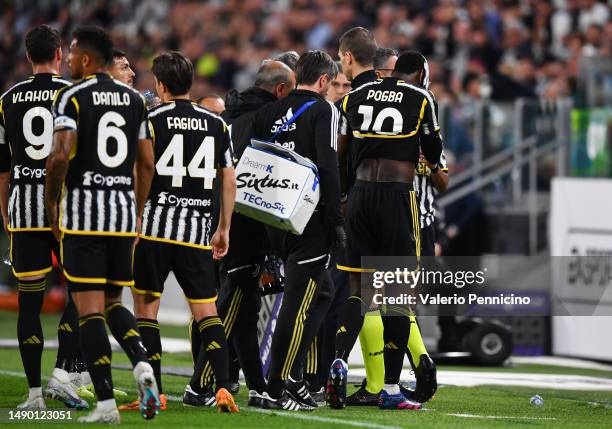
(26,134)
(390,119)
(190,144)
(109,118)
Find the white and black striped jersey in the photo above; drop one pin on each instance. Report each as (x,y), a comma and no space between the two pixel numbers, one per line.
(26,135)
(391,119)
(426,193)
(190,144)
(109,118)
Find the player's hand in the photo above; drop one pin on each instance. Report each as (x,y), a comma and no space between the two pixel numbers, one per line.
(220,244)
(339,239)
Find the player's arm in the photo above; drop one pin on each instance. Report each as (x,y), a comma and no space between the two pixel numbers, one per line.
(5,171)
(326,143)
(225,172)
(57,167)
(431,139)
(439,173)
(145,169)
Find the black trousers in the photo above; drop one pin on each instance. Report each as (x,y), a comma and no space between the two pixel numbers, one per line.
(306,258)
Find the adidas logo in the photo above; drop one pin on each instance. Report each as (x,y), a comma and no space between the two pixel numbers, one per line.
(32,340)
(213,346)
(130,333)
(104,360)
(65,327)
(391,345)
(341,330)
(156,356)
(279,123)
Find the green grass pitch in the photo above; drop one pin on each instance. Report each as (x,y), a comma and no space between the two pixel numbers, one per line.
(453,407)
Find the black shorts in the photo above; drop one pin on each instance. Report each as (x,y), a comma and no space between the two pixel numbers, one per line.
(428,240)
(193,268)
(95,262)
(382,220)
(31,252)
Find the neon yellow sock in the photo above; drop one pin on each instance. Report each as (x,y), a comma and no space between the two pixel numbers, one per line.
(372,348)
(416,347)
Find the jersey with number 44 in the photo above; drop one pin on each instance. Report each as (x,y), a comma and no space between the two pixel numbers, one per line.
(26,134)
(109,119)
(190,144)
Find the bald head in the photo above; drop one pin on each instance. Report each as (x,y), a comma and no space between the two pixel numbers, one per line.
(275,77)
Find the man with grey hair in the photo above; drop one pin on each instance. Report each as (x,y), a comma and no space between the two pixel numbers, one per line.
(290,58)
(239,295)
(384,61)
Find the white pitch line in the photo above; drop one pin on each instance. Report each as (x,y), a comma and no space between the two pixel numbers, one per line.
(300,416)
(476,416)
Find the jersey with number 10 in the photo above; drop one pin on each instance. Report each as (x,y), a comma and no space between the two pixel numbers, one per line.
(190,144)
(389,118)
(26,134)
(109,118)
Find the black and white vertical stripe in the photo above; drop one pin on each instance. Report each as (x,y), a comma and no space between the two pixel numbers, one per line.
(425,199)
(179,224)
(27,206)
(98,210)
(335,120)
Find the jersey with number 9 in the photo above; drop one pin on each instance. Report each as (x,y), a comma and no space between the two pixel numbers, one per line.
(26,135)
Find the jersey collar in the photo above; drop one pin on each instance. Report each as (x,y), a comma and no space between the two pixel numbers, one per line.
(306,93)
(363,78)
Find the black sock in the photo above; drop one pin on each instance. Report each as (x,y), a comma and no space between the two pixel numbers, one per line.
(149,330)
(350,321)
(97,351)
(78,364)
(396,332)
(215,346)
(123,327)
(196,342)
(67,337)
(29,330)
(201,365)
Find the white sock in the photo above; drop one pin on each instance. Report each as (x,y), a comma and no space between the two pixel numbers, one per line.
(392,389)
(61,375)
(85,378)
(107,405)
(34,392)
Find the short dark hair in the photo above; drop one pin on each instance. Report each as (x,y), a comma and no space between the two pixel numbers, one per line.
(41,43)
(118,53)
(382,56)
(95,41)
(312,65)
(410,62)
(174,70)
(359,42)
(289,58)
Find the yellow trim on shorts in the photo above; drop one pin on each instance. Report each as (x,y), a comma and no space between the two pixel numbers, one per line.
(36,229)
(124,283)
(87,280)
(145,292)
(416,225)
(178,243)
(201,300)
